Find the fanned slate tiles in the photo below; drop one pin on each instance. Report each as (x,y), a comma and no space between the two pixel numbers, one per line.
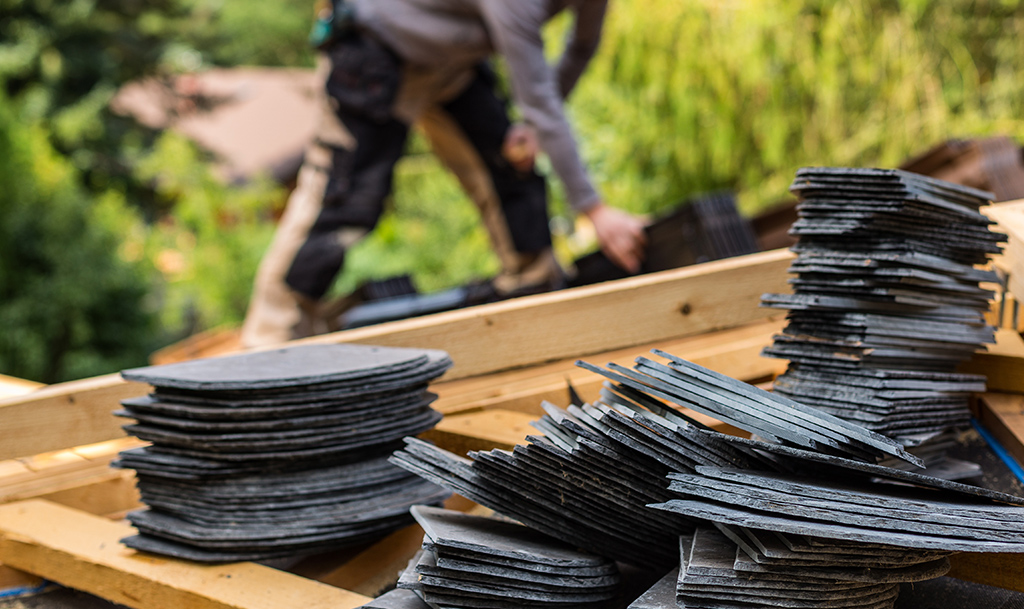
(886,299)
(662,595)
(278,453)
(924,519)
(475,561)
(587,479)
(722,569)
(397,598)
(807,497)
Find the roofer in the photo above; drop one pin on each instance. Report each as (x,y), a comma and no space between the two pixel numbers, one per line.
(392,63)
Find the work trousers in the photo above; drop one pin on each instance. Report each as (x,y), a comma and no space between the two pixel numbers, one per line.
(343,185)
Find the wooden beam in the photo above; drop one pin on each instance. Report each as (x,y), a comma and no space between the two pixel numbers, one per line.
(13,578)
(1000,570)
(494,428)
(462,433)
(485,339)
(592,319)
(211,343)
(1009,215)
(81,551)
(80,477)
(64,415)
(11,386)
(376,569)
(735,352)
(1003,416)
(111,494)
(1002,364)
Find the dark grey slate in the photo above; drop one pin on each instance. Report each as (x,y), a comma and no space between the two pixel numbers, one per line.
(397,599)
(287,367)
(661,596)
(451,529)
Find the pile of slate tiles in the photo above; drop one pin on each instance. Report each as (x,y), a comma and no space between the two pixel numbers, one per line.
(854,511)
(278,453)
(806,481)
(730,568)
(476,561)
(397,598)
(887,301)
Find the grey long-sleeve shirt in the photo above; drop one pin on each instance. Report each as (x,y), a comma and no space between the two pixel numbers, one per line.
(446,35)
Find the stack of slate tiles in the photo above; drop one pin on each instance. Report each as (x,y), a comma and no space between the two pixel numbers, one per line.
(397,598)
(887,301)
(278,453)
(475,561)
(858,511)
(807,477)
(716,571)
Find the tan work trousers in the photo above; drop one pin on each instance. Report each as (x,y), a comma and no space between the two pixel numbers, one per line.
(277,314)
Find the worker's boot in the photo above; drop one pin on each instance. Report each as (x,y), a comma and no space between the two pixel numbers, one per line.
(312,319)
(537,272)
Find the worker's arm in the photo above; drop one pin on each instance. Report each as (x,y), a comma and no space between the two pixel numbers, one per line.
(620,234)
(521,145)
(581,45)
(515,30)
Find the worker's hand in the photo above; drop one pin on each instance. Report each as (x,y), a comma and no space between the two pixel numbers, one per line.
(620,234)
(520,147)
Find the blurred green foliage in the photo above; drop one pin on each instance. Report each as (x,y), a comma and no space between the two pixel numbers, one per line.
(688,97)
(684,97)
(243,32)
(207,246)
(74,289)
(87,286)
(62,62)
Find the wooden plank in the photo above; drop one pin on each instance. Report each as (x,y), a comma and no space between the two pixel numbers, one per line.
(489,338)
(483,430)
(1003,416)
(1008,343)
(111,494)
(487,429)
(12,386)
(13,578)
(1002,364)
(49,472)
(12,468)
(1009,216)
(376,569)
(214,342)
(64,415)
(592,319)
(82,551)
(106,451)
(1000,570)
(735,352)
(727,351)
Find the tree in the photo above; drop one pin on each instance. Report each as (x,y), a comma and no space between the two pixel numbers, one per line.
(62,63)
(73,302)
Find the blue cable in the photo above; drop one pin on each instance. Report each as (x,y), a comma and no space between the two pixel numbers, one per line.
(23,590)
(1000,452)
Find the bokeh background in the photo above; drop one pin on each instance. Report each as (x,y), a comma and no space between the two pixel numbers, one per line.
(118,238)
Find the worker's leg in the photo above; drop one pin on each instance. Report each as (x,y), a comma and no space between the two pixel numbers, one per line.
(467,134)
(353,201)
(339,198)
(274,312)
